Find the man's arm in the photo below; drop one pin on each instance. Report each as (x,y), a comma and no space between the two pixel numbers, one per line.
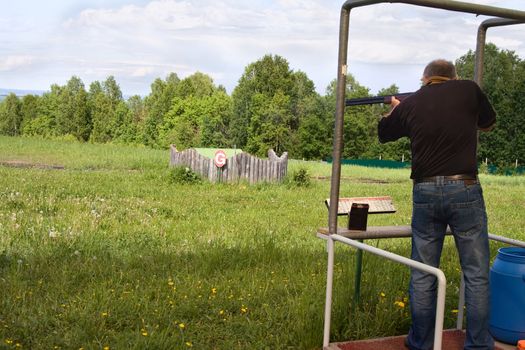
(487,115)
(389,127)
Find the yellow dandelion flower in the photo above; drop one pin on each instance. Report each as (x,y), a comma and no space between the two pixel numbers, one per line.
(214,291)
(189,344)
(182,326)
(104,314)
(106,347)
(455,311)
(221,312)
(18,345)
(400,304)
(383,295)
(171,283)
(244,309)
(8,341)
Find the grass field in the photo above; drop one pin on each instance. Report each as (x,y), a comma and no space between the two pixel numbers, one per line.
(103,251)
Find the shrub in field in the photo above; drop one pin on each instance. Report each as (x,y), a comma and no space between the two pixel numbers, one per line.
(484,169)
(301,177)
(184,175)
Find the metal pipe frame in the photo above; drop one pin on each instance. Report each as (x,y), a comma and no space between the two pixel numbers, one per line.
(442,282)
(406,261)
(342,69)
(481,40)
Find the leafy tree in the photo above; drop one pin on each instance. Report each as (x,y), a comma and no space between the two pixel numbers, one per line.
(103,118)
(124,128)
(10,116)
(269,124)
(73,116)
(261,81)
(137,116)
(270,103)
(503,82)
(157,104)
(314,136)
(358,120)
(108,110)
(29,109)
(194,121)
(45,123)
(112,91)
(215,124)
(196,85)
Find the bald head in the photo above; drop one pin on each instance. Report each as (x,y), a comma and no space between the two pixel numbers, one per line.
(440,68)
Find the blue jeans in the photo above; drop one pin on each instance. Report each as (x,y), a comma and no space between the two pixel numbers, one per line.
(436,205)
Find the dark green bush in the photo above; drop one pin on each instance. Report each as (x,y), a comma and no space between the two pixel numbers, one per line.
(184,175)
(301,178)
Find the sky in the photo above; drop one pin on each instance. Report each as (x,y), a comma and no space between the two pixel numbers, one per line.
(137,41)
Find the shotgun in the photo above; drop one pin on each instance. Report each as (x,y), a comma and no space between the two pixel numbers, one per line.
(375,100)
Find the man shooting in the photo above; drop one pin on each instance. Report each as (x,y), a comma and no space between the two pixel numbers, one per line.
(442,120)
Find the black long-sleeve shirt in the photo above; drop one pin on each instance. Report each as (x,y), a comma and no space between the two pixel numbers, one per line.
(441,121)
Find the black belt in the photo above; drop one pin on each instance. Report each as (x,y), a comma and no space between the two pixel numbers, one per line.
(468,179)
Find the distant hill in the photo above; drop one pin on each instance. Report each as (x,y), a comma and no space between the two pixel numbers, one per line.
(4,92)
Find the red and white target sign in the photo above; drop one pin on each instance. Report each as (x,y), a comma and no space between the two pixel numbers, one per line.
(220,158)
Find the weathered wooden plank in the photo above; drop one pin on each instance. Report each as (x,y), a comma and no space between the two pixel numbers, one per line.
(252,169)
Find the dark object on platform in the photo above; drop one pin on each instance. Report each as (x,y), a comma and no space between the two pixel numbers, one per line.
(358,216)
(375,100)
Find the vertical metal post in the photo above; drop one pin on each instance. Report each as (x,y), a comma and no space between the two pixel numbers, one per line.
(339,116)
(358,270)
(480,52)
(329,287)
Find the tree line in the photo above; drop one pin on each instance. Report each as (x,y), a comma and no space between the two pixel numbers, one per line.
(272,106)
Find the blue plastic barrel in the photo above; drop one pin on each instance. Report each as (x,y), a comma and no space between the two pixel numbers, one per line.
(507,295)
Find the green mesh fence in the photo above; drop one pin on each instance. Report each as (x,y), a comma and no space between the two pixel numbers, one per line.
(392,164)
(376,163)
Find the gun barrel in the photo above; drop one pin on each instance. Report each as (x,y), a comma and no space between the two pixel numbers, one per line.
(375,100)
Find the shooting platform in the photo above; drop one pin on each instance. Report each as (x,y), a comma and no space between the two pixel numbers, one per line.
(501,17)
(453,339)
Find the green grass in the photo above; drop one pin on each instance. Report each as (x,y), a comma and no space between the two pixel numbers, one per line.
(109,253)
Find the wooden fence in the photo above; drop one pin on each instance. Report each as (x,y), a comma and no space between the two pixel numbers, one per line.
(241,167)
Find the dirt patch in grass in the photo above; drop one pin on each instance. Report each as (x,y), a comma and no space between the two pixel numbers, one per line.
(25,164)
(358,180)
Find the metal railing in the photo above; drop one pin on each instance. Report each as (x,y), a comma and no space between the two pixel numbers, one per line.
(440,306)
(442,282)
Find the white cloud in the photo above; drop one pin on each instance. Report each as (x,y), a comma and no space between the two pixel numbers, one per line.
(15,62)
(139,41)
